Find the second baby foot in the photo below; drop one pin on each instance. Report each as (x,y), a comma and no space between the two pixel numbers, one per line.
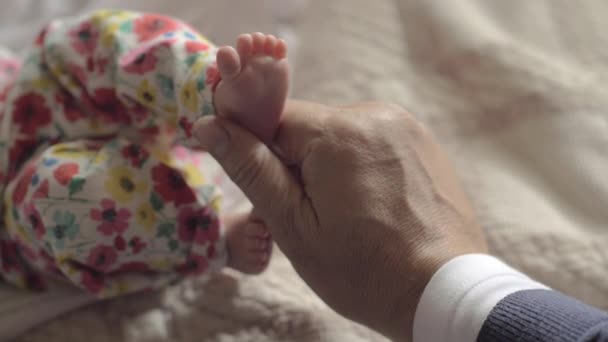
(249,244)
(254,83)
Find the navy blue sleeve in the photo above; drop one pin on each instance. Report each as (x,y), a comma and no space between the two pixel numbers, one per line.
(544,315)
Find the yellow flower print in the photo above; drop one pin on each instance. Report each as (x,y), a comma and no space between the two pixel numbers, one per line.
(8,215)
(171,122)
(122,185)
(194,176)
(41,84)
(199,64)
(216,203)
(69,151)
(19,232)
(64,262)
(145,216)
(123,15)
(172,110)
(100,158)
(147,93)
(160,264)
(108,35)
(73,151)
(19,281)
(122,286)
(162,154)
(100,16)
(189,96)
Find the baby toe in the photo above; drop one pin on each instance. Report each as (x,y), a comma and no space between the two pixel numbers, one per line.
(259,39)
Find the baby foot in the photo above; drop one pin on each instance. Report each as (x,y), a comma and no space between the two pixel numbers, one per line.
(254,83)
(249,244)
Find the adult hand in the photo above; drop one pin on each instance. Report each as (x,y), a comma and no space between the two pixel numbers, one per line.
(362,201)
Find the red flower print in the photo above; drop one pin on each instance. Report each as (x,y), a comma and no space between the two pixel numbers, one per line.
(50,265)
(193,46)
(135,153)
(198,225)
(109,107)
(101,258)
(140,113)
(211,252)
(84,38)
(150,26)
(65,172)
(186,126)
(90,64)
(20,152)
(25,251)
(4,92)
(92,281)
(41,36)
(134,266)
(120,243)
(102,63)
(43,190)
(35,220)
(9,254)
(194,265)
(213,75)
(139,61)
(78,73)
(70,106)
(149,134)
(9,67)
(35,282)
(137,245)
(112,220)
(171,186)
(31,113)
(23,184)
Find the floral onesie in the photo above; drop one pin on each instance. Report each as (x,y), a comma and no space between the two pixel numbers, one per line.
(98,185)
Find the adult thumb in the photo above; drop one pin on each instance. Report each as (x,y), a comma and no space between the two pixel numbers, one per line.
(251,165)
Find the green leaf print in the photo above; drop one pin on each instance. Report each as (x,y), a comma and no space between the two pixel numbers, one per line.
(65,228)
(156,201)
(76,185)
(165,84)
(200,83)
(191,59)
(60,130)
(208,109)
(127,26)
(166,229)
(173,244)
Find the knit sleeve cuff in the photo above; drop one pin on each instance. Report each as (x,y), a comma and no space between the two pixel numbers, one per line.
(461,294)
(541,315)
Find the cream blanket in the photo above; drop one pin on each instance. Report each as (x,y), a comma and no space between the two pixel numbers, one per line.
(516,90)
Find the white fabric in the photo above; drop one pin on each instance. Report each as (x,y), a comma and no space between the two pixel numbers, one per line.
(460,295)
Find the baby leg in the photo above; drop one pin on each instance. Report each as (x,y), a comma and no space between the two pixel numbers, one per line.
(108,73)
(113,217)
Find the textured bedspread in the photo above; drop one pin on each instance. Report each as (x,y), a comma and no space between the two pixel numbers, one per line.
(517,91)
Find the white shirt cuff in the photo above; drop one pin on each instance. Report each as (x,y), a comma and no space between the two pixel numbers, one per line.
(460,295)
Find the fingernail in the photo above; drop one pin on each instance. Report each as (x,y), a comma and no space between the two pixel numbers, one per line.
(211,135)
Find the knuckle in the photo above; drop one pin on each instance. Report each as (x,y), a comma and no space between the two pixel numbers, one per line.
(394,108)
